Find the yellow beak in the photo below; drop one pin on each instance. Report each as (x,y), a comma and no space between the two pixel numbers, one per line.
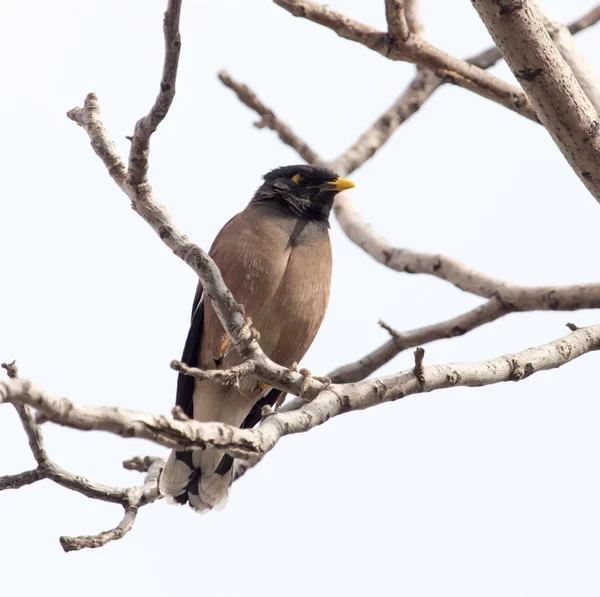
(340,184)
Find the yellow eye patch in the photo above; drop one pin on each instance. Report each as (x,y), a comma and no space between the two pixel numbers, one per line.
(296,178)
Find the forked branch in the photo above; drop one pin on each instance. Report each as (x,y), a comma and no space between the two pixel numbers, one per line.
(335,400)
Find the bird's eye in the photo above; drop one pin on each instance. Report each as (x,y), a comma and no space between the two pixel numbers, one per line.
(296,178)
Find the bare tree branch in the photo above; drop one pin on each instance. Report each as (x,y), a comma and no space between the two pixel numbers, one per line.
(418,51)
(143,201)
(225,377)
(333,401)
(142,197)
(400,341)
(146,126)
(20,479)
(11,369)
(453,271)
(175,434)
(34,434)
(563,40)
(321,401)
(419,90)
(413,18)
(588,20)
(511,297)
(396,20)
(362,234)
(97,491)
(542,298)
(93,541)
(136,498)
(268,118)
(34,437)
(131,499)
(562,106)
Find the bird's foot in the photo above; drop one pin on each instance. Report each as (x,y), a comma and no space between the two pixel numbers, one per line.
(246,332)
(306,373)
(308,377)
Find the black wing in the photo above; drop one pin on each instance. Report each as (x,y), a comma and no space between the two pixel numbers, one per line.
(191,350)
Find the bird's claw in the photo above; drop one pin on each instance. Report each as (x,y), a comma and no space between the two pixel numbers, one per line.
(308,377)
(246,333)
(306,383)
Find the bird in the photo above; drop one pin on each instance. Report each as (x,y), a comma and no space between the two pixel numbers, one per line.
(275,257)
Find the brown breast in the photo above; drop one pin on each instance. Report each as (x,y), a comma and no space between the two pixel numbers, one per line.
(279,268)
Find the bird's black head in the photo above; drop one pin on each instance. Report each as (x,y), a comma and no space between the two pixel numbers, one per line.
(307,191)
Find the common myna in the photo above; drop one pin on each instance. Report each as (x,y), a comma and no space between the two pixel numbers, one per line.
(275,257)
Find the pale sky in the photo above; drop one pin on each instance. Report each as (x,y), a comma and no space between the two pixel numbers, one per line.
(465,492)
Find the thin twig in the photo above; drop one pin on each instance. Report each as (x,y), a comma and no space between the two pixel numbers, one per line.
(396,20)
(146,126)
(400,341)
(419,90)
(225,377)
(11,369)
(136,497)
(20,479)
(34,434)
(587,20)
(268,118)
(31,428)
(413,18)
(101,539)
